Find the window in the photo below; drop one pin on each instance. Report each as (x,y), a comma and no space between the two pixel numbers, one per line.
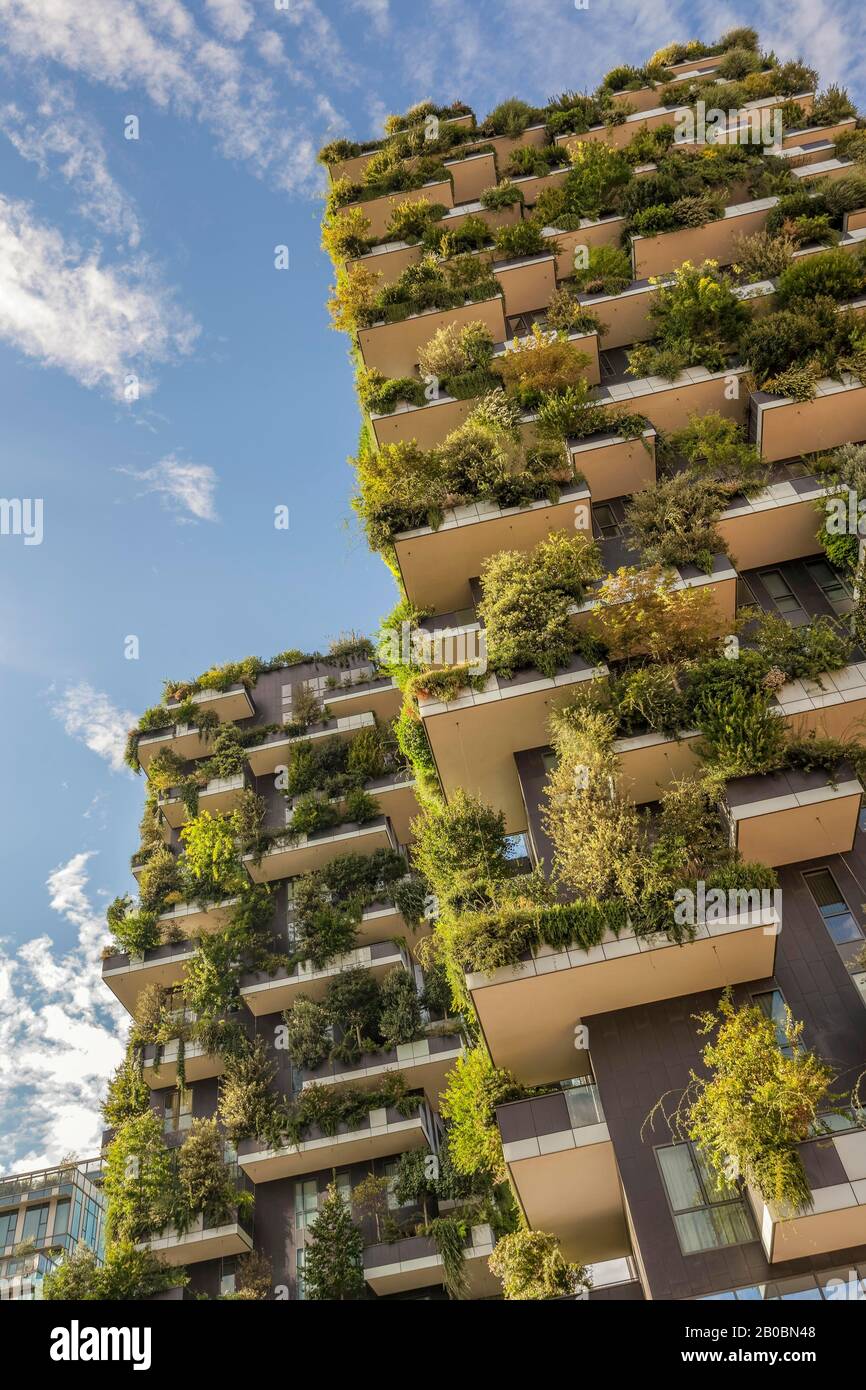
(838,919)
(606,524)
(832,586)
(178,1111)
(299,1274)
(583,1101)
(772,1005)
(35,1223)
(306,1203)
(781,593)
(8,1222)
(61,1218)
(704,1217)
(391,1175)
(228,1283)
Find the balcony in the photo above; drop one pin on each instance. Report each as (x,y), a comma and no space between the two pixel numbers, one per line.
(392,348)
(471,175)
(528,1011)
(160,1064)
(205,1240)
(293,855)
(379,697)
(783,817)
(126,976)
(526,281)
(228,705)
(396,795)
(832,707)
(220,796)
(614,466)
(273,752)
(668,405)
(662,253)
(390,258)
(415,1263)
(383,1134)
(424,1064)
(474,738)
(378,210)
(562,1166)
(650,761)
(436,564)
(774,526)
(269,994)
(198,919)
(186,740)
(836,1169)
(782,428)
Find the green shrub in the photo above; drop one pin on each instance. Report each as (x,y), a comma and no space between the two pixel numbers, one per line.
(409,221)
(532,1266)
(650,698)
(502,195)
(717,452)
(742,733)
(834,274)
(831,106)
(762,255)
(526,602)
(674,523)
(608,271)
(380,395)
(521,239)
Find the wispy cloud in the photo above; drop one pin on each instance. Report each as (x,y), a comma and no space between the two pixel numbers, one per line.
(63,308)
(60,1032)
(56,136)
(183,486)
(155,47)
(89,716)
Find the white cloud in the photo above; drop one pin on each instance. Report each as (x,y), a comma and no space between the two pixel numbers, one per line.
(89,716)
(184,486)
(57,135)
(231,17)
(378,11)
(156,48)
(96,322)
(60,1033)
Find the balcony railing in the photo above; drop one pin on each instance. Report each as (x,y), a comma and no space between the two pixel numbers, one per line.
(415,1263)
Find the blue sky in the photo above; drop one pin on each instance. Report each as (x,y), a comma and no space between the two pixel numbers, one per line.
(154,259)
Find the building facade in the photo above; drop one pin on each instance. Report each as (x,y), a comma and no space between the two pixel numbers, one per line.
(597,451)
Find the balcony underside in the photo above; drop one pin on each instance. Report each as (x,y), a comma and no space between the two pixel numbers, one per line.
(272,996)
(331,1151)
(573,1190)
(412,1264)
(198,1245)
(529,1012)
(317,851)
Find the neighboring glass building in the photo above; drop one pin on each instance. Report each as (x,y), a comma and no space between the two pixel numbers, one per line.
(44,1214)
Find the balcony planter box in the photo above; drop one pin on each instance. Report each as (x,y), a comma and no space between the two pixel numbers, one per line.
(474,737)
(836,1170)
(662,253)
(378,210)
(669,404)
(384,1134)
(198,1064)
(528,1011)
(203,1241)
(424,1064)
(301,854)
(437,564)
(613,465)
(220,796)
(782,428)
(126,976)
(563,1169)
(269,994)
(833,707)
(274,751)
(228,705)
(776,525)
(392,348)
(784,817)
(415,1263)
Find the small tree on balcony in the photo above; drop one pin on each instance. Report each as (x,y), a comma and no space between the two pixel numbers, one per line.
(757,1104)
(126,1274)
(307,1038)
(204,1182)
(400,1008)
(246,1101)
(139,1182)
(532,1266)
(460,848)
(472,1092)
(370,1199)
(334,1254)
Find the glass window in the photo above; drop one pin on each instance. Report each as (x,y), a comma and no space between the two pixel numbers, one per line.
(780,592)
(61,1218)
(832,586)
(583,1101)
(705,1217)
(606,524)
(838,919)
(227,1276)
(178,1111)
(391,1175)
(306,1202)
(8,1223)
(299,1272)
(35,1223)
(772,1005)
